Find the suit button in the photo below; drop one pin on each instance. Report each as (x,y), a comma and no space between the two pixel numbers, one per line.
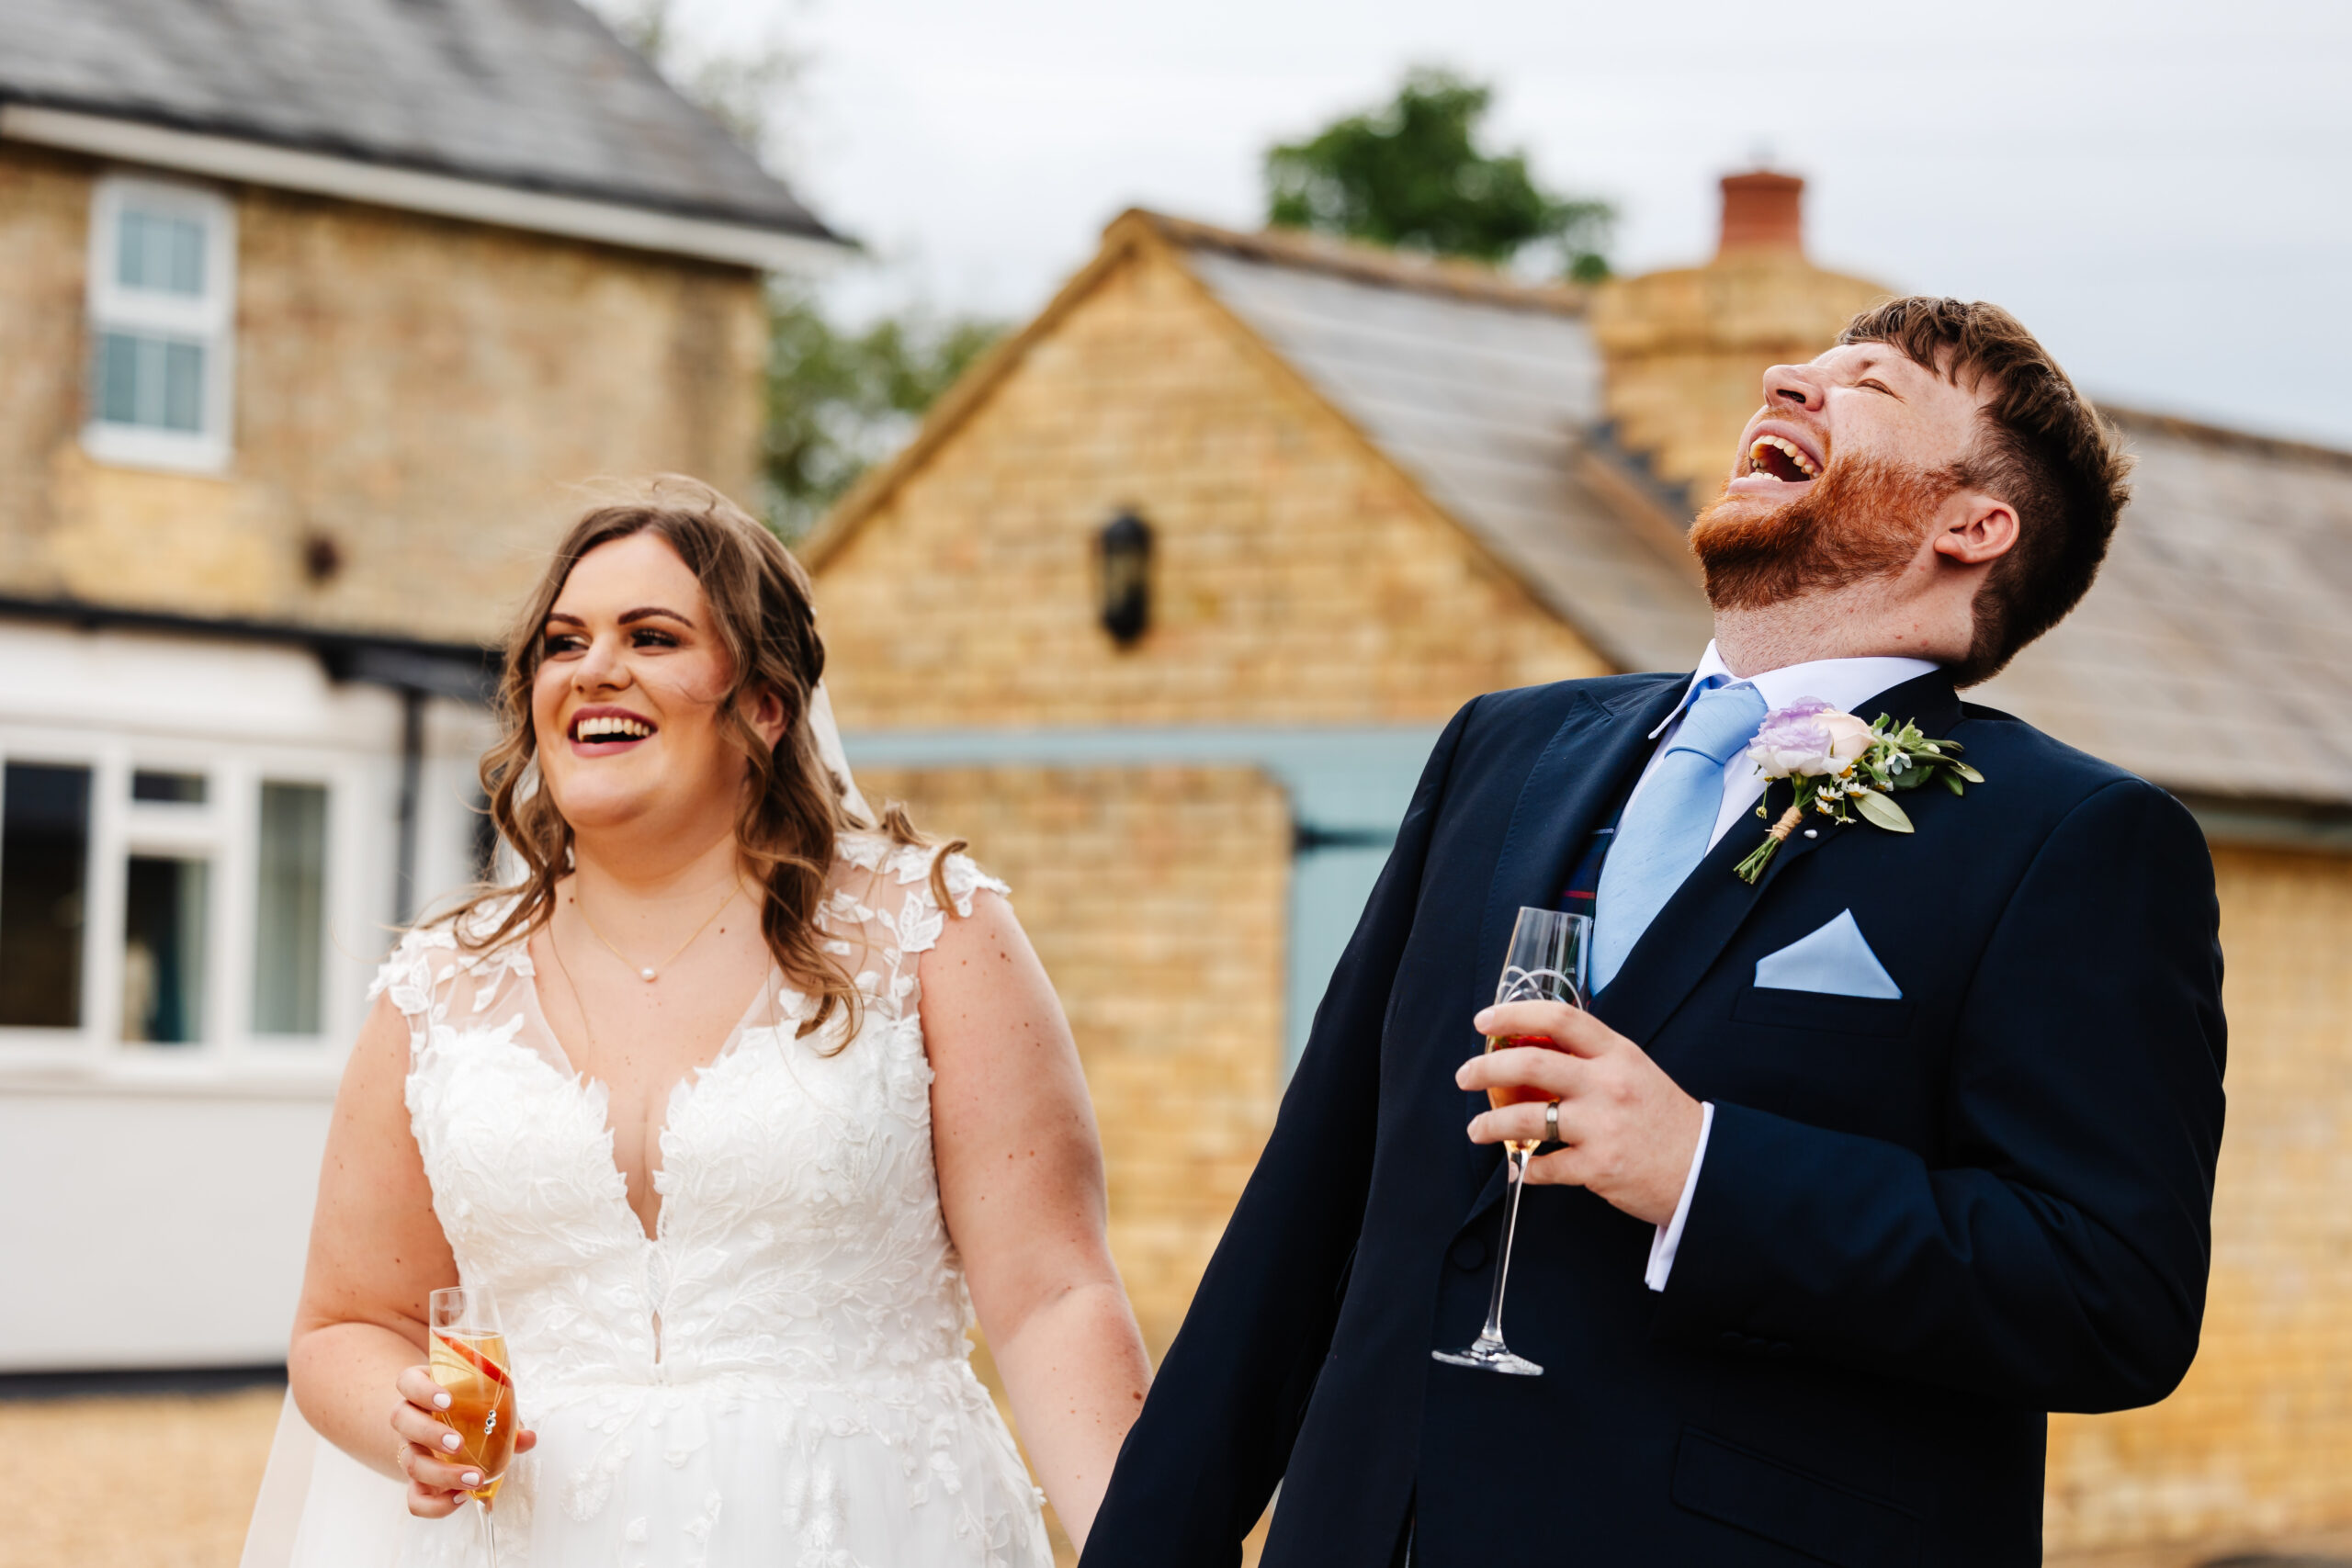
(1469,1253)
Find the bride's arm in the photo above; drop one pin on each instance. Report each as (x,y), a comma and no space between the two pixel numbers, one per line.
(1021,1183)
(376,1251)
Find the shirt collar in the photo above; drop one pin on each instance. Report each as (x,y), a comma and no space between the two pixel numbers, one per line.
(1840,683)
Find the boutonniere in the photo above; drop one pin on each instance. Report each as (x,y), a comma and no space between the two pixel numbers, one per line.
(1839,766)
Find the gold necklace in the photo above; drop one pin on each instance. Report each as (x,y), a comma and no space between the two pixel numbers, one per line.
(648,972)
(573,986)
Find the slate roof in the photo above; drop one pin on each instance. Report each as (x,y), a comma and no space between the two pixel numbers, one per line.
(533,93)
(2209,656)
(1491,398)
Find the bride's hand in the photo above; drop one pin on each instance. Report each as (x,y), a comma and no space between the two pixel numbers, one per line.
(437,1482)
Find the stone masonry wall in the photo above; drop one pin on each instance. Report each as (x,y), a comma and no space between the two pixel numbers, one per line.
(420,393)
(2256,1444)
(1156,896)
(1296,579)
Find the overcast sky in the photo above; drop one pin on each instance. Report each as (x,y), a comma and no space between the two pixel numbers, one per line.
(2163,190)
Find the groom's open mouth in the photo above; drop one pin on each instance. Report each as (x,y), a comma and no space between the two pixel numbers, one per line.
(607,731)
(1777,456)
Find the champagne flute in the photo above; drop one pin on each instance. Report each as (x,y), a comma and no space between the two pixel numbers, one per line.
(1549,950)
(470,1362)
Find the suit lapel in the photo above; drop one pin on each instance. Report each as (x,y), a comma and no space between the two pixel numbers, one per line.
(1590,760)
(1683,942)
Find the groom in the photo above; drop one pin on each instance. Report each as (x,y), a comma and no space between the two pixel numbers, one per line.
(1858,1171)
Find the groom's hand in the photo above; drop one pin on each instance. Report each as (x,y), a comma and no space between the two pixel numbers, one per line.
(1630,1131)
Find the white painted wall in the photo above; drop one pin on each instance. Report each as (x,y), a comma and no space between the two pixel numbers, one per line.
(154,1229)
(155,1202)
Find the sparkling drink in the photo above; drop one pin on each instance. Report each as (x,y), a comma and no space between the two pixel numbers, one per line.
(472,1368)
(1518,1094)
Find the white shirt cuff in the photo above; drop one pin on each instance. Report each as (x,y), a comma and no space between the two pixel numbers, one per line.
(1670,1234)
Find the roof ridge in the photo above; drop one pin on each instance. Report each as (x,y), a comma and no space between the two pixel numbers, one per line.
(1460,279)
(2208,434)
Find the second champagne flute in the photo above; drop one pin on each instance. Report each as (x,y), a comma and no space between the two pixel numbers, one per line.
(1549,950)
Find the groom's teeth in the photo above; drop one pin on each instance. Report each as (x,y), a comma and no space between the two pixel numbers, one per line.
(1786,448)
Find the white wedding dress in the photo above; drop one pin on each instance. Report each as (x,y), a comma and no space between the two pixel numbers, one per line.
(779,1376)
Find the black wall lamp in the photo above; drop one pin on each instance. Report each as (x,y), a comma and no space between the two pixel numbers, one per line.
(1123,553)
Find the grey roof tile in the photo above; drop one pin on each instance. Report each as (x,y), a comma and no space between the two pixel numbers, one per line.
(1491,406)
(535,93)
(2209,657)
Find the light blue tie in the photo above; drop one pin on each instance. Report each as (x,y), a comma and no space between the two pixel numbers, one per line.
(1663,835)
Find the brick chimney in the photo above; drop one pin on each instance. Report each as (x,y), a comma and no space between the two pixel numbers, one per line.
(1762,211)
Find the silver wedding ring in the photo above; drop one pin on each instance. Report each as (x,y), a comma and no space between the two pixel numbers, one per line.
(1551,1123)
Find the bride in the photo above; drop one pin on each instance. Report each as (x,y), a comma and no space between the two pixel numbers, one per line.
(730,1101)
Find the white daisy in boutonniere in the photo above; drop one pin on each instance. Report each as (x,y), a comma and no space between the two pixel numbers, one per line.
(1840,767)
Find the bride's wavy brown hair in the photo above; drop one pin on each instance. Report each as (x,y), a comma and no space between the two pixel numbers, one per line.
(793,807)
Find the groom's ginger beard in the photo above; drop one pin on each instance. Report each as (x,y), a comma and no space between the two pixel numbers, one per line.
(1862,519)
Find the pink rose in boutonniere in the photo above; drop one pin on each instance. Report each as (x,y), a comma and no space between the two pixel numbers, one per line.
(1840,767)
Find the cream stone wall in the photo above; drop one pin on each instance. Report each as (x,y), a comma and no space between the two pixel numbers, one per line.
(2256,1445)
(421,394)
(1686,352)
(1297,577)
(1155,897)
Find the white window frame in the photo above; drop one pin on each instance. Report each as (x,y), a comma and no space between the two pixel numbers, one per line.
(225,831)
(209,319)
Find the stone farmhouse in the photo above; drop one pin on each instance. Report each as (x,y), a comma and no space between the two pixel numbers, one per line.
(311,310)
(1165,603)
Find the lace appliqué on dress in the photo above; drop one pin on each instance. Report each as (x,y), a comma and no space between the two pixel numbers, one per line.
(807,1398)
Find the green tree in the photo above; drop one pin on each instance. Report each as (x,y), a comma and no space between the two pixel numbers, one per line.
(1413,175)
(838,399)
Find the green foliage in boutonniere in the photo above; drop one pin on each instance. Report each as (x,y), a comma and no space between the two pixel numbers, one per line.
(1841,768)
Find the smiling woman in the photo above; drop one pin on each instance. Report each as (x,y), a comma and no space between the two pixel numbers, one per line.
(731,1099)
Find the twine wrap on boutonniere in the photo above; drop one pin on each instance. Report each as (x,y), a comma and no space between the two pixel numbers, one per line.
(1840,767)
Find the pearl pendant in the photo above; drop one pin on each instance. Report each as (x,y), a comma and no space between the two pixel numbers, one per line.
(646,975)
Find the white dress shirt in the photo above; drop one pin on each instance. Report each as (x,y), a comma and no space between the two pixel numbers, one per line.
(1840,683)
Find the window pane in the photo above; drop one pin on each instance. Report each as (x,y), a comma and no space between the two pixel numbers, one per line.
(179,789)
(44,877)
(159,253)
(152,381)
(183,387)
(162,951)
(116,397)
(289,934)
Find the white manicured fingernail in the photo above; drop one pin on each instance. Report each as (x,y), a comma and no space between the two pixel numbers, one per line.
(440,1401)
(471,1478)
(449,1440)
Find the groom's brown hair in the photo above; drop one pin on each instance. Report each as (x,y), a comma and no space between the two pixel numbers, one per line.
(2041,447)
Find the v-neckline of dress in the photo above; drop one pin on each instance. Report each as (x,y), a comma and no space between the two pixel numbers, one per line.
(790,1004)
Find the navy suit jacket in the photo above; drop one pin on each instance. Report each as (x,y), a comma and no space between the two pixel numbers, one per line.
(1920,1224)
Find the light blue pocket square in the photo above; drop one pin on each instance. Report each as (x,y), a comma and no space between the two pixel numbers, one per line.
(1834,961)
